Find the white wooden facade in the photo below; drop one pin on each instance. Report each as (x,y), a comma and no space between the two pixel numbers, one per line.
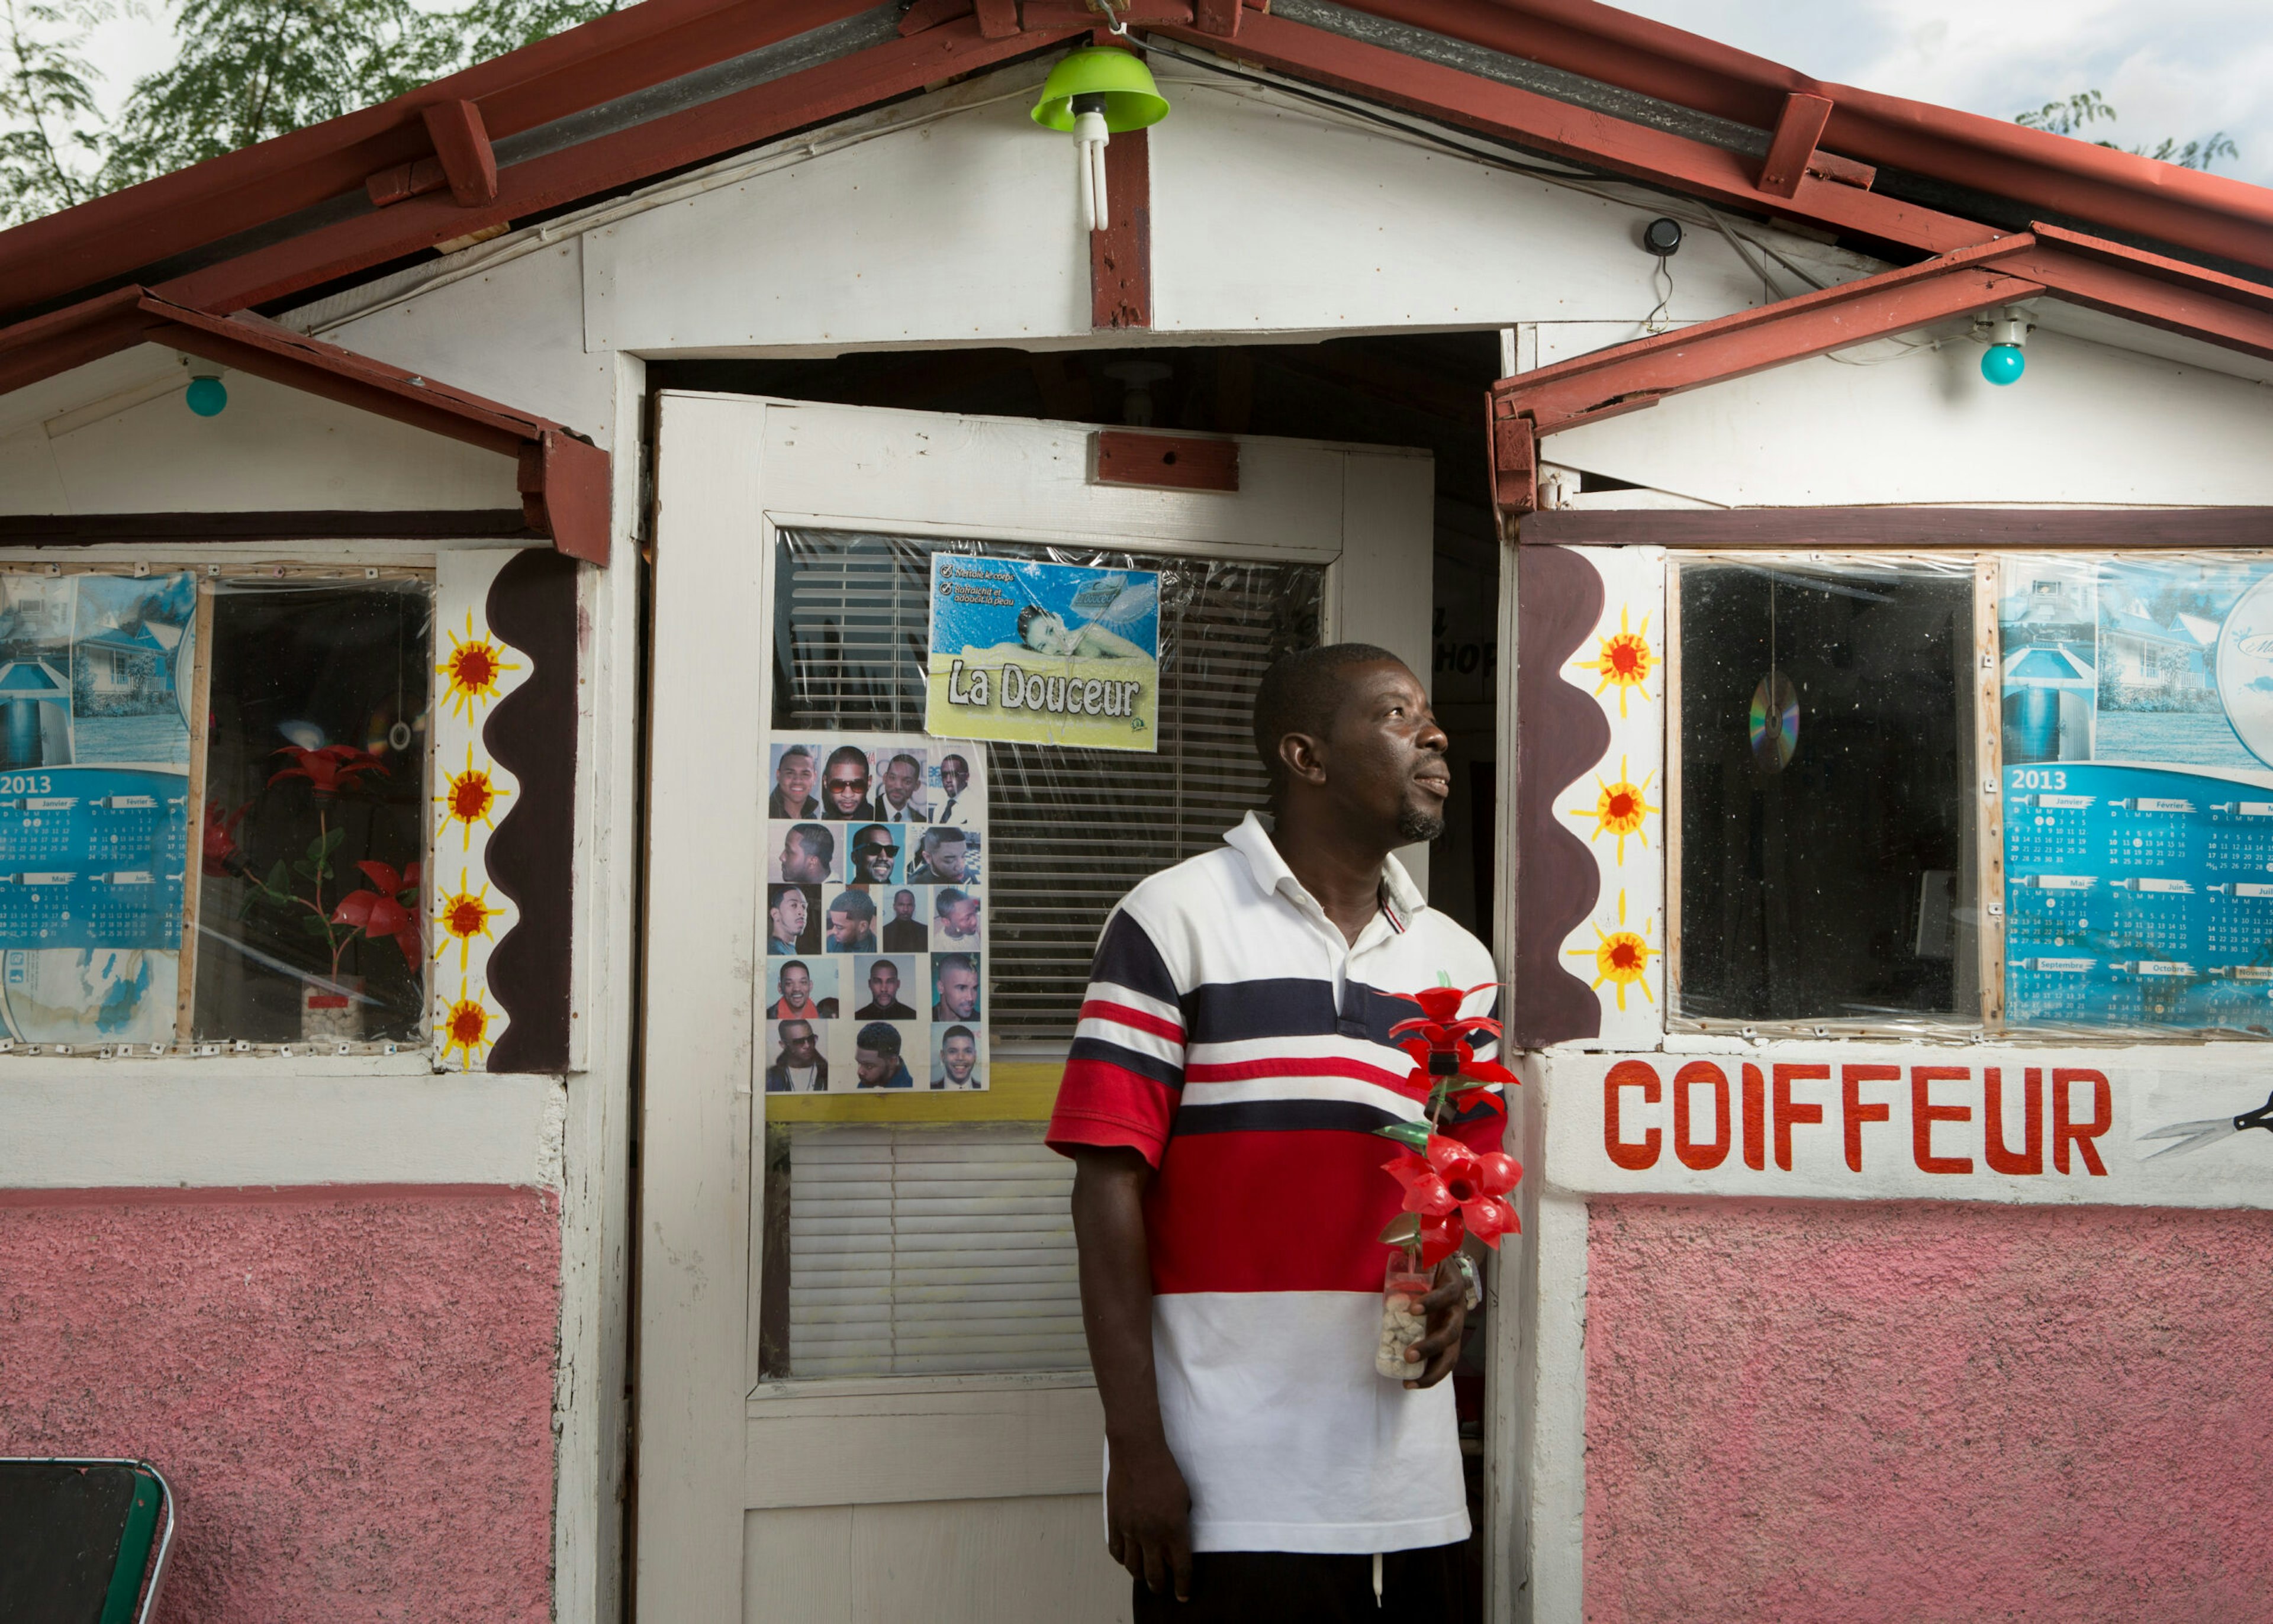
(943,221)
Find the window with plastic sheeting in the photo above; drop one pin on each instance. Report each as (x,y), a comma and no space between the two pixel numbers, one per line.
(1071,830)
(1828,812)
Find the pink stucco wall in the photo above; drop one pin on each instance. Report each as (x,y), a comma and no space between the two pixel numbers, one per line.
(1854,1413)
(350,1388)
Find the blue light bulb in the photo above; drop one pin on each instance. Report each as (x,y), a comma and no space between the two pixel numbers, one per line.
(2003,364)
(207,396)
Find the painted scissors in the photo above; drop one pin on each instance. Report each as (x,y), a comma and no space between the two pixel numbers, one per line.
(2194,1135)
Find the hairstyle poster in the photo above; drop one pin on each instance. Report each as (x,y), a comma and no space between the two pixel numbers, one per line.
(1044,653)
(875,913)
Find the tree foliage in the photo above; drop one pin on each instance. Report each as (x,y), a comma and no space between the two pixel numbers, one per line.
(2072,114)
(245,71)
(48,159)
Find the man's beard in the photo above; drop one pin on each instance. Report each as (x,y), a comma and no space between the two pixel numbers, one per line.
(1415,825)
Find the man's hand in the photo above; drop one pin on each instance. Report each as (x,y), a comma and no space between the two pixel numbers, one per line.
(1446,1307)
(1147,1506)
(1148,1518)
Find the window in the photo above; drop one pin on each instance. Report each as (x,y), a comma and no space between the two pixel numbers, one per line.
(1827,818)
(2003,792)
(908,1249)
(198,770)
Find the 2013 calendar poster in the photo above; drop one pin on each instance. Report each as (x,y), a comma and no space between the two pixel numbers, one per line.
(95,752)
(2137,734)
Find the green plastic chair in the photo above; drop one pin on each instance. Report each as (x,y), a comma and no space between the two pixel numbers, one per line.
(75,1538)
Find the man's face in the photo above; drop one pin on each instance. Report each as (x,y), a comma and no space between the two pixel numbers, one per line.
(874,861)
(899,781)
(800,863)
(958,991)
(788,917)
(1384,762)
(841,928)
(794,779)
(875,1069)
(884,981)
(947,860)
(903,905)
(847,787)
(799,1047)
(960,1056)
(963,917)
(796,986)
(954,776)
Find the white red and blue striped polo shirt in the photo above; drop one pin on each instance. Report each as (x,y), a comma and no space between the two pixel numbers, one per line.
(1234,1036)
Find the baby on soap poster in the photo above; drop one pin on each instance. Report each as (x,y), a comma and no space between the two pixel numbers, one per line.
(1046,654)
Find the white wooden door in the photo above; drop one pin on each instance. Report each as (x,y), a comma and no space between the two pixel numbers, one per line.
(948,1497)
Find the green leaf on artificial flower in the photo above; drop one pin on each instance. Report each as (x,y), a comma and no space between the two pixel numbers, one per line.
(1404,1230)
(306,869)
(1415,1135)
(332,839)
(280,878)
(314,926)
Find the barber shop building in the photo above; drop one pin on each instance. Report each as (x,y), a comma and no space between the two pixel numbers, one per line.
(583,655)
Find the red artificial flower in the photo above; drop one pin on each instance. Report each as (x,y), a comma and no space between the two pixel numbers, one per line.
(221,856)
(329,770)
(1454,1189)
(384,912)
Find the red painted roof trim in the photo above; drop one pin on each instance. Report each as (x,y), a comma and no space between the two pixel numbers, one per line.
(564,479)
(651,43)
(2208,214)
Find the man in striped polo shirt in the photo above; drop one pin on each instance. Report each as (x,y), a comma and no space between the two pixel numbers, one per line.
(1232,1060)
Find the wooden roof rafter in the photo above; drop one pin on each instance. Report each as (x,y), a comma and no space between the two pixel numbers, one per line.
(563,478)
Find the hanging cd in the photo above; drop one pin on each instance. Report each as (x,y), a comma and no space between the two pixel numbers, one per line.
(1774,723)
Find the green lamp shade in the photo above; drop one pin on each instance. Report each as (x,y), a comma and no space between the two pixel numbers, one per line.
(1131,100)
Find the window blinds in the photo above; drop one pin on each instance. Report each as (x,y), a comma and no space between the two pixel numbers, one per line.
(930,1250)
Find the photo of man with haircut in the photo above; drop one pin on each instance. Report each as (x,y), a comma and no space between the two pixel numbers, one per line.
(884,995)
(958,1060)
(797,1002)
(876,1057)
(939,862)
(808,853)
(844,786)
(788,919)
(875,855)
(793,793)
(955,780)
(902,798)
(851,923)
(956,975)
(904,933)
(800,1067)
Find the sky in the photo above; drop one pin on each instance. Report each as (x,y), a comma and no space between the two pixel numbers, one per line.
(2180,68)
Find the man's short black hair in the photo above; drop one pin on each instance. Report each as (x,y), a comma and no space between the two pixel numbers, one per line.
(852,754)
(853,905)
(1302,692)
(953,960)
(815,840)
(940,833)
(877,1039)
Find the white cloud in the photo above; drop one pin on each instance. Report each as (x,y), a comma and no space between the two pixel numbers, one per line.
(2178,68)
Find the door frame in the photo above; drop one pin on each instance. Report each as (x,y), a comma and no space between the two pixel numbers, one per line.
(724,489)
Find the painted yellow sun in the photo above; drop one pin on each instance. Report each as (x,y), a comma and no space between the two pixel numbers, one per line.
(463,915)
(1624,662)
(1620,809)
(473,666)
(467,1024)
(470,797)
(1621,956)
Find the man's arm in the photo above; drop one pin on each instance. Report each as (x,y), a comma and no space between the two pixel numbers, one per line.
(1147,1506)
